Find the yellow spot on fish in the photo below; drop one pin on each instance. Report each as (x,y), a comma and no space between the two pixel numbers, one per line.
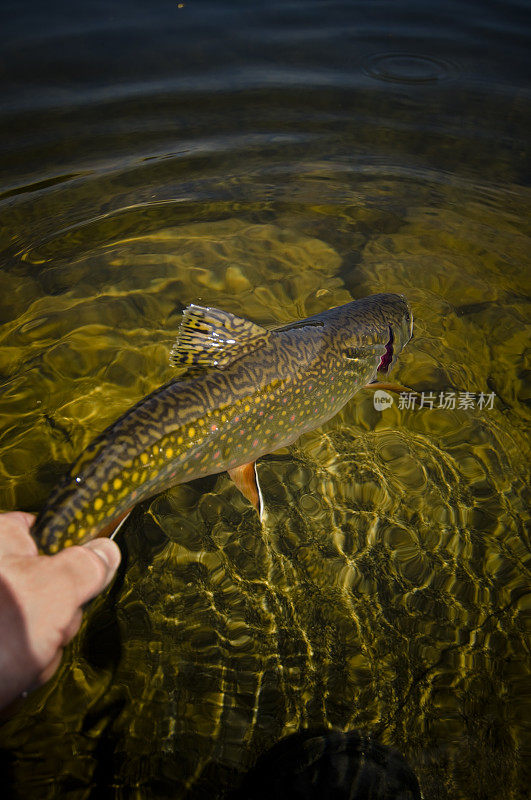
(90,519)
(81,532)
(53,547)
(144,458)
(247,407)
(67,542)
(201,421)
(71,528)
(78,514)
(191,432)
(179,440)
(117,484)
(105,487)
(98,503)
(169,452)
(134,477)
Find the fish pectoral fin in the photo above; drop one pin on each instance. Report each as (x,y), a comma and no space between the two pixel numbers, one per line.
(246,480)
(390,387)
(209,337)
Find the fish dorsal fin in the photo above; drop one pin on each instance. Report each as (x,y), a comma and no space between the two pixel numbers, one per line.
(209,337)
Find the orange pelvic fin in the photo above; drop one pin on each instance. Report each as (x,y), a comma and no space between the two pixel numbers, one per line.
(390,387)
(114,526)
(246,481)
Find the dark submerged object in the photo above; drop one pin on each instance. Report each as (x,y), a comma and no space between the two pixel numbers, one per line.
(327,764)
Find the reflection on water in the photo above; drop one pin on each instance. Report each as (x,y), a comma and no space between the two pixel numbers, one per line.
(309,163)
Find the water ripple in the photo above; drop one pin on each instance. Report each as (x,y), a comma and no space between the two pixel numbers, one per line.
(408,68)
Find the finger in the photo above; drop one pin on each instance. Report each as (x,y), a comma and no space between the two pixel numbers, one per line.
(69,633)
(109,552)
(15,538)
(73,626)
(86,570)
(48,671)
(25,517)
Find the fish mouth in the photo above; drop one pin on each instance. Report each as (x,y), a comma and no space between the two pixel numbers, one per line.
(387,357)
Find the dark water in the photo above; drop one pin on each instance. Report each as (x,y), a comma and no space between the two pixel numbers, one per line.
(275,159)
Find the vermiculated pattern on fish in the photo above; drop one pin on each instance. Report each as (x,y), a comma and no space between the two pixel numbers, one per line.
(247,392)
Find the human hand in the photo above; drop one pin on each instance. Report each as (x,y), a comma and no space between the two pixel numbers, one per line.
(41,599)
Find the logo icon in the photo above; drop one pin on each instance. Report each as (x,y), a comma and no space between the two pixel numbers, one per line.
(382,400)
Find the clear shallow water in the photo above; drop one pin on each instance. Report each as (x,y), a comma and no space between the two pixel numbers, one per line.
(275,162)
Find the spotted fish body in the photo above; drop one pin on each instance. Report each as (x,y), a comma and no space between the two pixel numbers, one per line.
(247,392)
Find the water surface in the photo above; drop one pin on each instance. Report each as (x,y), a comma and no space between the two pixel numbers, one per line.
(275,160)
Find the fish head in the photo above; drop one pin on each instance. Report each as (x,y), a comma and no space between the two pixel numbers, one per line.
(398,318)
(371,332)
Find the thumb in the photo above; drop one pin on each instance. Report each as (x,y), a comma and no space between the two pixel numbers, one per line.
(88,569)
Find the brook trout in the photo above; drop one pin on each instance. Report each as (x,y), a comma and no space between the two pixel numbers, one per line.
(247,391)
